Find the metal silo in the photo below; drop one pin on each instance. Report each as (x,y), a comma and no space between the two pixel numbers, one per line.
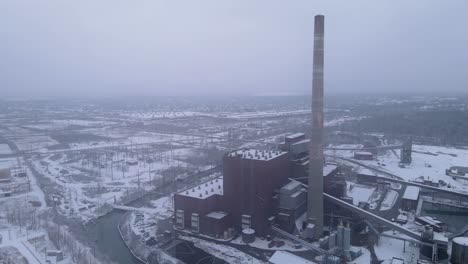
(459,250)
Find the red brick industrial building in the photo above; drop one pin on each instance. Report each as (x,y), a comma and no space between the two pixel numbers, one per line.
(247,195)
(242,198)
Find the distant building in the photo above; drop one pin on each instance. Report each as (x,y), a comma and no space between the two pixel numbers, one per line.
(363,155)
(410,198)
(405,153)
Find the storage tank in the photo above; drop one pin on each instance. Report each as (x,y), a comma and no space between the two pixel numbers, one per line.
(332,240)
(339,235)
(346,238)
(248,235)
(459,250)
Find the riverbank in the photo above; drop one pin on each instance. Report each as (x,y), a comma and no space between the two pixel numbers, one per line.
(143,252)
(126,244)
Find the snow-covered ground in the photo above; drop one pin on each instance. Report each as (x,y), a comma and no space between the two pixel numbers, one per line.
(429,162)
(359,193)
(387,248)
(163,207)
(226,253)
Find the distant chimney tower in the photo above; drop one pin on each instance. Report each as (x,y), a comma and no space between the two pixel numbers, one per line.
(315,189)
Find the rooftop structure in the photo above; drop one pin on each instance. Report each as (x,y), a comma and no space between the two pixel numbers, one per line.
(255,154)
(205,189)
(217,215)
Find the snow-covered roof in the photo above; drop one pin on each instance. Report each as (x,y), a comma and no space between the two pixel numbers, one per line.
(217,214)
(291,185)
(301,141)
(328,168)
(461,241)
(281,257)
(411,193)
(255,154)
(205,189)
(248,231)
(293,136)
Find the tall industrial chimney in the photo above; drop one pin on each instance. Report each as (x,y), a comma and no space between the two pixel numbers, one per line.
(315,189)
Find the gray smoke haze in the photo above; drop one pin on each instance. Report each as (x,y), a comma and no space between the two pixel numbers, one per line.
(106,47)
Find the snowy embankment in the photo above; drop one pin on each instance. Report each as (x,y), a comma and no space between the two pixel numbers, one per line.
(141,250)
(224,252)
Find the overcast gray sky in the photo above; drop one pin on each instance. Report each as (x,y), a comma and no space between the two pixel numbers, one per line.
(104,47)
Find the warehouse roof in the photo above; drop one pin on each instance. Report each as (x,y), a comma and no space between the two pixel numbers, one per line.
(411,193)
(205,189)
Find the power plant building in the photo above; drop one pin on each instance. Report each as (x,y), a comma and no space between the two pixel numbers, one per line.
(251,178)
(254,190)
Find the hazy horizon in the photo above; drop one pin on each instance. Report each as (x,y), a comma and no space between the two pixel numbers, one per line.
(107,48)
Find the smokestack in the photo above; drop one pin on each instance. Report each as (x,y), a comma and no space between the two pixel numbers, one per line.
(315,189)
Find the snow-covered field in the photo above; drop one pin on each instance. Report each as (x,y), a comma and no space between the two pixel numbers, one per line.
(155,115)
(387,248)
(5,149)
(428,162)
